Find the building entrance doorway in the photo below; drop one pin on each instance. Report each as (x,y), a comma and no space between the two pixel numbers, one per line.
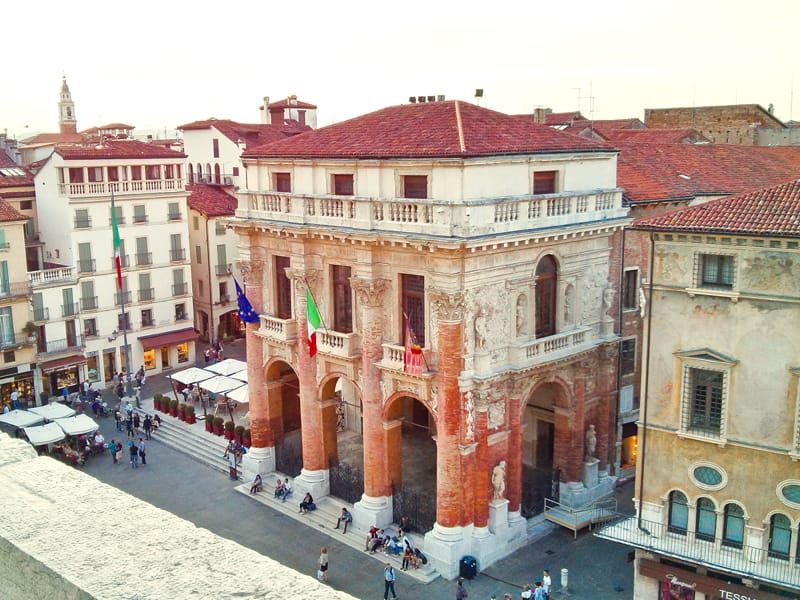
(537,450)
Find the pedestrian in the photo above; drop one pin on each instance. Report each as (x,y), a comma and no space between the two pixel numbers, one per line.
(118,419)
(133,450)
(547,582)
(112,448)
(461,591)
(526,592)
(322,571)
(207,355)
(15,399)
(148,426)
(142,454)
(119,450)
(389,577)
(129,426)
(136,423)
(538,591)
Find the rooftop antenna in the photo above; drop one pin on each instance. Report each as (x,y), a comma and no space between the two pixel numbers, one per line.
(590,98)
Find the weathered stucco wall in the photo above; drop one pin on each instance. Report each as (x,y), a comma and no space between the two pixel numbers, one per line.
(59,538)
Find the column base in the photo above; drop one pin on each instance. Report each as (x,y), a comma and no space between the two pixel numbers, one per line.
(315,482)
(444,547)
(372,510)
(258,460)
(577,494)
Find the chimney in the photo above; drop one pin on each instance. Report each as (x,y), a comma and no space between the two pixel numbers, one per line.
(540,115)
(264,108)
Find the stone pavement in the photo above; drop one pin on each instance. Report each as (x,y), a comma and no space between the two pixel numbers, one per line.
(173,481)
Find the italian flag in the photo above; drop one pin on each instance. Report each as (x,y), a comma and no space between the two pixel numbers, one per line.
(117,242)
(312,318)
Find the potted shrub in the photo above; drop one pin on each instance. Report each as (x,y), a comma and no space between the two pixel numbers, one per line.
(238,433)
(189,411)
(229,427)
(210,423)
(30,331)
(181,411)
(157,402)
(218,425)
(246,438)
(173,408)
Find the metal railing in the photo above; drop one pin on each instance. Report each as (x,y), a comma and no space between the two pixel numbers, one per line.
(120,220)
(746,561)
(118,296)
(180,289)
(174,216)
(41,314)
(83,223)
(144,258)
(11,340)
(221,270)
(181,317)
(62,345)
(139,219)
(148,322)
(87,265)
(124,261)
(69,310)
(89,303)
(177,254)
(146,295)
(14,289)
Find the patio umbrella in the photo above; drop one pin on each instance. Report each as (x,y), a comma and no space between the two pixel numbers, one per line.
(44,434)
(228,366)
(220,384)
(53,411)
(191,375)
(78,425)
(240,394)
(21,418)
(241,375)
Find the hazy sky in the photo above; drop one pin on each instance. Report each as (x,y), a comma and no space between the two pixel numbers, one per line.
(156,65)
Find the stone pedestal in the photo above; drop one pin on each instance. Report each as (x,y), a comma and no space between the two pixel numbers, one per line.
(371,511)
(596,485)
(258,460)
(444,547)
(316,482)
(607,328)
(590,468)
(498,516)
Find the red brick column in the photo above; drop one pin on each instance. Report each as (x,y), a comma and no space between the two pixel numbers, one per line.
(314,455)
(449,487)
(514,461)
(574,467)
(481,469)
(377,470)
(606,421)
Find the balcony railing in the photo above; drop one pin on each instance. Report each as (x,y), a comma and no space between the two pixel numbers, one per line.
(177,254)
(62,345)
(222,270)
(174,216)
(120,220)
(11,340)
(87,265)
(69,310)
(180,289)
(119,296)
(5,245)
(446,218)
(146,295)
(14,289)
(51,276)
(144,258)
(139,219)
(41,314)
(104,188)
(124,261)
(393,355)
(342,345)
(748,561)
(181,317)
(212,179)
(89,303)
(148,322)
(83,223)
(282,330)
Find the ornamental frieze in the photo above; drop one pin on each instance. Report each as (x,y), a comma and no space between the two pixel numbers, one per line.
(448,306)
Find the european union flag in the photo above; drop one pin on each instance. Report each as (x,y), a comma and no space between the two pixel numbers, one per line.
(246,312)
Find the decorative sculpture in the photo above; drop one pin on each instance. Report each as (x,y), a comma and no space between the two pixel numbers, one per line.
(591,443)
(499,480)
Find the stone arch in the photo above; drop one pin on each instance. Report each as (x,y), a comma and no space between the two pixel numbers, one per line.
(563,398)
(217,174)
(347,394)
(795,523)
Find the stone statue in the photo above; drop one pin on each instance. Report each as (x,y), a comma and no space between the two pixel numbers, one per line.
(608,299)
(569,292)
(481,331)
(591,443)
(522,307)
(499,480)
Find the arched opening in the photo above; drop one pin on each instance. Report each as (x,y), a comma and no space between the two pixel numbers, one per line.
(538,439)
(678,513)
(342,429)
(412,461)
(191,173)
(208,173)
(217,178)
(706,524)
(733,527)
(780,536)
(199,173)
(546,284)
(283,396)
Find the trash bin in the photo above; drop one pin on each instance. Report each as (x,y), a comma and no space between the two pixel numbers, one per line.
(468,567)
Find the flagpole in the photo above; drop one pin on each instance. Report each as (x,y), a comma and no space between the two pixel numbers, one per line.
(128,387)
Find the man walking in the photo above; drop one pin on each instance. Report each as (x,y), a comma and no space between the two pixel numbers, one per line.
(142,455)
(148,426)
(389,577)
(112,447)
(134,452)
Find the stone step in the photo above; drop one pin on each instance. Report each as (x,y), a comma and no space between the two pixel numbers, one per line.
(324,519)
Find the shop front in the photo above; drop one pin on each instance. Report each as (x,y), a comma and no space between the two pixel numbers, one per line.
(62,373)
(168,350)
(18,378)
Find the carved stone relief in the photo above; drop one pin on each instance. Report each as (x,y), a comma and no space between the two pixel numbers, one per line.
(469,408)
(496,415)
(370,292)
(593,285)
(488,311)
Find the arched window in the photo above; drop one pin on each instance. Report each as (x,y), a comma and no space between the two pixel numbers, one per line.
(546,281)
(199,173)
(191,173)
(706,528)
(733,530)
(678,513)
(217,178)
(780,536)
(208,173)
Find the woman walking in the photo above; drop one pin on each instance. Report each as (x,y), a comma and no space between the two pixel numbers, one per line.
(322,571)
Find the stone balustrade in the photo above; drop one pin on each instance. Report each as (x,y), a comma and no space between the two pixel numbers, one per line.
(104,188)
(280,330)
(50,276)
(343,345)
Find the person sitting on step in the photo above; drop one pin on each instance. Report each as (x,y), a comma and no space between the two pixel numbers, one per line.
(280,490)
(345,518)
(287,489)
(257,484)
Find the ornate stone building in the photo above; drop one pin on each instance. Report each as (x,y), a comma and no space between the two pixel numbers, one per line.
(486,235)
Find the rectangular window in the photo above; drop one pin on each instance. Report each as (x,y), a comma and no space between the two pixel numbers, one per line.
(215,147)
(90,327)
(628,356)
(343,185)
(222,259)
(95,174)
(195,223)
(544,182)
(219,228)
(139,214)
(413,305)
(6,327)
(415,186)
(69,307)
(180,312)
(152,172)
(198,255)
(630,289)
(26,205)
(223,292)
(145,289)
(174,211)
(85,260)
(123,321)
(9,356)
(705,410)
(136,173)
(82,218)
(143,255)
(88,299)
(147,317)
(169,171)
(282,182)
(200,289)
(179,287)
(235,171)
(76,175)
(40,313)
(113,173)
(283,288)
(149,358)
(716,270)
(342,299)
(120,217)
(183,352)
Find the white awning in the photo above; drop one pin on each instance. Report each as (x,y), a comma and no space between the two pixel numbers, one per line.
(44,434)
(53,411)
(21,418)
(191,375)
(227,366)
(78,425)
(240,394)
(220,384)
(241,375)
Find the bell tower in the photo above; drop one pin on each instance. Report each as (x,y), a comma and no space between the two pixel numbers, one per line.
(67,123)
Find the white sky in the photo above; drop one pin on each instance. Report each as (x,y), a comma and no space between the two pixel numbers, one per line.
(156,65)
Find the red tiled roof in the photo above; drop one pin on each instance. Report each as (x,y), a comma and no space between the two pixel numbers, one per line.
(651,172)
(211,200)
(563,118)
(286,103)
(431,129)
(117,149)
(53,138)
(13,180)
(252,134)
(160,340)
(9,213)
(629,123)
(658,136)
(772,211)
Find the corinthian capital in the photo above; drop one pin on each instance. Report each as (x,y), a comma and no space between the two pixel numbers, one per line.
(448,306)
(302,278)
(370,292)
(252,270)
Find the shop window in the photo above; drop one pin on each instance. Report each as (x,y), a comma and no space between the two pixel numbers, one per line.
(9,356)
(706,528)
(92,370)
(733,530)
(183,352)
(678,513)
(149,359)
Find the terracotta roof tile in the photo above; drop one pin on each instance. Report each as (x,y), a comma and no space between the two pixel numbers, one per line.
(430,129)
(9,213)
(117,149)
(564,118)
(9,178)
(211,200)
(658,136)
(252,134)
(773,211)
(53,138)
(652,172)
